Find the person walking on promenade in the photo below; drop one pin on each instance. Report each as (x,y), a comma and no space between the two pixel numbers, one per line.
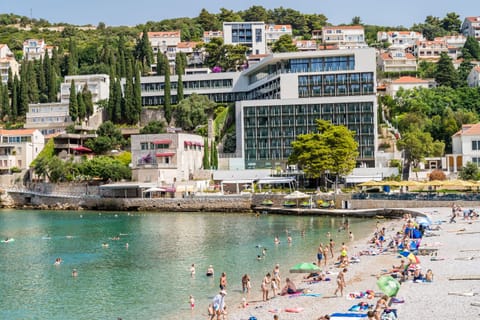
(320,254)
(341,282)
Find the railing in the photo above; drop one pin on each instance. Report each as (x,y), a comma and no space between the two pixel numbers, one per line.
(433,196)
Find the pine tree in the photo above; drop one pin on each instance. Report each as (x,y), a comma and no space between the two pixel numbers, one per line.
(167,103)
(446,75)
(73,104)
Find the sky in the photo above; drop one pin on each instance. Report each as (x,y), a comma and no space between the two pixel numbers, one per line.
(129,13)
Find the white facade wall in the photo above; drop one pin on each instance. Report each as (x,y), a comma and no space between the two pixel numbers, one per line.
(15,151)
(48,117)
(176,163)
(249,34)
(98,84)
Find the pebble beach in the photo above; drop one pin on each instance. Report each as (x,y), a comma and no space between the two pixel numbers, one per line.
(454,292)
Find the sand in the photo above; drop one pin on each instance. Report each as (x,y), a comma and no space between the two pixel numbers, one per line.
(440,299)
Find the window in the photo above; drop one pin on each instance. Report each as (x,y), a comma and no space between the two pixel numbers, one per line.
(475,145)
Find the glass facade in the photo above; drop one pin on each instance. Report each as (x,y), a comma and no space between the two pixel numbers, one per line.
(342,84)
(270,130)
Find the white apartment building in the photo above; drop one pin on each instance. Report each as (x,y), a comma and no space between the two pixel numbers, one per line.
(345,37)
(48,118)
(7,61)
(166,158)
(400,39)
(471,27)
(164,41)
(430,50)
(397,61)
(282,95)
(249,34)
(306,45)
(473,78)
(18,148)
(273,32)
(34,49)
(98,84)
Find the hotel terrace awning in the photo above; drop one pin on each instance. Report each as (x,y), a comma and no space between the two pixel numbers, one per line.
(193,143)
(162,141)
(81,149)
(165,154)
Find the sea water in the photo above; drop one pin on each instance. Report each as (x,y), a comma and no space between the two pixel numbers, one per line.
(150,278)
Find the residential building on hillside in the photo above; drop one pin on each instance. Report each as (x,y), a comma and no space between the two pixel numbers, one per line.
(34,49)
(98,84)
(346,37)
(208,35)
(273,32)
(430,50)
(465,147)
(166,158)
(403,40)
(19,147)
(397,61)
(407,83)
(7,61)
(48,118)
(282,95)
(164,41)
(473,78)
(249,34)
(306,45)
(471,27)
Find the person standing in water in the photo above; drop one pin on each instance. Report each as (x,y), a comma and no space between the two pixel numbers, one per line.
(320,254)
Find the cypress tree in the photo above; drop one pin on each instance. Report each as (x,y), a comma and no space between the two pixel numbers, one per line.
(117,108)
(167,103)
(161,63)
(41,80)
(206,156)
(32,84)
(6,105)
(10,80)
(137,93)
(73,104)
(111,97)
(52,85)
(23,92)
(15,98)
(87,100)
(72,58)
(446,75)
(128,93)
(82,111)
(214,156)
(180,68)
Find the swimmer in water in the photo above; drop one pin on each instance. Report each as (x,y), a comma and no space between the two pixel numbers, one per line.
(74,273)
(210,271)
(276,240)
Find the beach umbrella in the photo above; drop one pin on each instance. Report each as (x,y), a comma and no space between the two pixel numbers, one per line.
(305,267)
(410,256)
(371,183)
(388,285)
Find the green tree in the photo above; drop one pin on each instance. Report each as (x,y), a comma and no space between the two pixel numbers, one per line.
(87,100)
(145,52)
(332,149)
(469,172)
(73,103)
(214,156)
(451,23)
(471,48)
(255,13)
(446,74)
(208,21)
(356,21)
(416,145)
(192,111)
(284,44)
(206,156)
(154,127)
(72,58)
(82,110)
(180,69)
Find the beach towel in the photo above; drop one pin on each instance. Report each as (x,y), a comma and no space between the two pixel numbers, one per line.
(362,306)
(346,316)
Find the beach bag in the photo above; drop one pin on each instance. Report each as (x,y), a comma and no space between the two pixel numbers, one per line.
(252,318)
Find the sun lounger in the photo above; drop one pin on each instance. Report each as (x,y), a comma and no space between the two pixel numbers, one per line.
(346,316)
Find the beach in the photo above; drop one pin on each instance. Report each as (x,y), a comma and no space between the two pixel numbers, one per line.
(458,255)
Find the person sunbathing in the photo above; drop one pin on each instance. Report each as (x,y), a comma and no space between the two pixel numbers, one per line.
(290,287)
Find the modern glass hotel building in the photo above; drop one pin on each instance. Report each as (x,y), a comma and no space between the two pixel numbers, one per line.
(283,95)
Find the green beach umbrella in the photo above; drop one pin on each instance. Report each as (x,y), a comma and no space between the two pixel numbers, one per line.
(304,267)
(388,285)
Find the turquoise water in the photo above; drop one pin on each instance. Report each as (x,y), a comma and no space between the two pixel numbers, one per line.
(151,278)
